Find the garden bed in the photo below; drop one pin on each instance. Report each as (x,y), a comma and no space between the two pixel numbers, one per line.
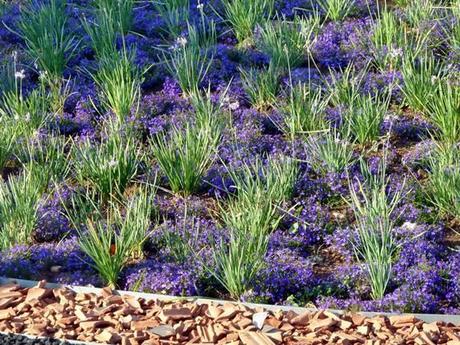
(299,153)
(111,317)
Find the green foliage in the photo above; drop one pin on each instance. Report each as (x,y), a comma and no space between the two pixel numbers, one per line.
(304,112)
(185,155)
(8,137)
(443,109)
(287,43)
(108,166)
(364,116)
(243,16)
(47,154)
(43,28)
(374,210)
(443,187)
(249,216)
(330,151)
(418,76)
(336,9)
(103,33)
(121,12)
(119,81)
(174,13)
(261,86)
(418,11)
(188,63)
(259,189)
(19,197)
(112,238)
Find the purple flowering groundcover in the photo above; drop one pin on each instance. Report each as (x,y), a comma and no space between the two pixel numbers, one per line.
(298,152)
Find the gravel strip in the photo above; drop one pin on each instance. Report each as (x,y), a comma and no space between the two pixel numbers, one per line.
(16,339)
(128,320)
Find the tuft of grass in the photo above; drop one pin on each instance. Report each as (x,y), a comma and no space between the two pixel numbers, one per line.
(111,239)
(304,112)
(364,116)
(119,82)
(185,155)
(8,138)
(102,32)
(374,210)
(29,114)
(418,76)
(261,86)
(243,16)
(250,215)
(49,154)
(336,10)
(174,13)
(43,27)
(287,43)
(208,114)
(108,166)
(121,12)
(260,188)
(418,11)
(188,61)
(443,187)
(345,87)
(330,151)
(443,110)
(19,197)
(237,262)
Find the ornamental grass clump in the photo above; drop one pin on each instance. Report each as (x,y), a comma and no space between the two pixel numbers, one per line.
(243,17)
(119,82)
(329,152)
(336,10)
(285,42)
(249,216)
(108,166)
(121,12)
(261,86)
(27,113)
(364,117)
(102,31)
(111,238)
(419,75)
(374,210)
(189,59)
(304,111)
(444,179)
(43,27)
(443,109)
(174,13)
(49,154)
(8,138)
(418,11)
(19,198)
(185,155)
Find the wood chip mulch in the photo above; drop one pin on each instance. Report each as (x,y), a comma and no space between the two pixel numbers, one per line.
(127,320)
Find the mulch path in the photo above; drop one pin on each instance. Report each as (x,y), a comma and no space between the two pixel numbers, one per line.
(123,319)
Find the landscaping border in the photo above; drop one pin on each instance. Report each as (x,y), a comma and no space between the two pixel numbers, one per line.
(428,318)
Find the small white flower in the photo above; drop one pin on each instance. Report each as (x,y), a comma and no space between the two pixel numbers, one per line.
(234,105)
(27,117)
(19,74)
(181,41)
(409,226)
(112,163)
(396,52)
(200,6)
